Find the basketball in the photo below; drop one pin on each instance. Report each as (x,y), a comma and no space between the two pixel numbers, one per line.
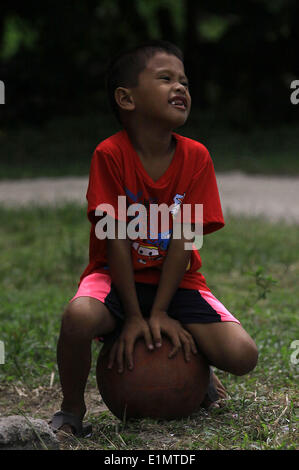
(157,387)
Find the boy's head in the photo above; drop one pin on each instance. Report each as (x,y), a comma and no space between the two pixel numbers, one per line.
(136,74)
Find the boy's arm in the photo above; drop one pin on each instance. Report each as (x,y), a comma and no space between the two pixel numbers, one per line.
(174,268)
(121,271)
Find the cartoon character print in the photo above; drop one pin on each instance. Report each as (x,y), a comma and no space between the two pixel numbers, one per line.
(152,251)
(178,199)
(146,251)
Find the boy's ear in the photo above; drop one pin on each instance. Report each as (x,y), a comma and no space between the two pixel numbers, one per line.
(124,99)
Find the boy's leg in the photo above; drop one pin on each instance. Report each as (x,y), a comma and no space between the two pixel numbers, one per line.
(226,345)
(84,319)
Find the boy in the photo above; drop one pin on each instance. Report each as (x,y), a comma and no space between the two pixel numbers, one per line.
(148,286)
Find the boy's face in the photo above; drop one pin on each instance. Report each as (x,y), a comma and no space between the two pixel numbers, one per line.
(162,92)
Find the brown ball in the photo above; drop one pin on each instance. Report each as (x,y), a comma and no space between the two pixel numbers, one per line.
(157,387)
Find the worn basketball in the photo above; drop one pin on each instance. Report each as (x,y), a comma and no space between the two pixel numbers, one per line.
(157,387)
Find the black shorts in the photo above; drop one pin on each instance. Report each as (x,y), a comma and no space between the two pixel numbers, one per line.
(186,306)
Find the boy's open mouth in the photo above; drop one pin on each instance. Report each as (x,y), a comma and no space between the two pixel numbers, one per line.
(179,102)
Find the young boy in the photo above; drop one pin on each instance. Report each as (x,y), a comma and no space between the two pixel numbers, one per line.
(147,286)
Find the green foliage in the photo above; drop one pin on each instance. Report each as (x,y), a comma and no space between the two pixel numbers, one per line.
(263,282)
(18,34)
(64,146)
(240,57)
(213,27)
(149,10)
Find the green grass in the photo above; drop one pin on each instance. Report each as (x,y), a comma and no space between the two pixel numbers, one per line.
(251,265)
(64,146)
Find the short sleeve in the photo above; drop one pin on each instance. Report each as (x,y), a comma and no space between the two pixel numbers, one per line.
(203,190)
(105,186)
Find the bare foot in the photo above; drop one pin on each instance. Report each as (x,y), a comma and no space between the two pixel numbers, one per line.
(219,387)
(208,403)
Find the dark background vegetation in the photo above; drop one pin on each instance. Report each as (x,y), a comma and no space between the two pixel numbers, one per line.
(240,58)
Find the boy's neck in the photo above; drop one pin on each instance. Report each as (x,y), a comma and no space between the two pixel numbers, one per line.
(152,145)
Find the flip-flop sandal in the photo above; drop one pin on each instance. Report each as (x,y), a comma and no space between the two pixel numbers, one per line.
(79,428)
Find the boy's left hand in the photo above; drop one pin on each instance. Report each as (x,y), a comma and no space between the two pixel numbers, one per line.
(160,322)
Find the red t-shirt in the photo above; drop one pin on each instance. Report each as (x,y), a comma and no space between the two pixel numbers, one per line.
(116,170)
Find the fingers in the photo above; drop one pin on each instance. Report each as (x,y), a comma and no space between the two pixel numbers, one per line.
(112,355)
(191,341)
(120,353)
(122,350)
(178,335)
(176,346)
(120,356)
(157,337)
(129,347)
(187,347)
(148,339)
(155,331)
(183,340)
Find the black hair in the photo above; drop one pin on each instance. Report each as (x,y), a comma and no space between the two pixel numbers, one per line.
(125,68)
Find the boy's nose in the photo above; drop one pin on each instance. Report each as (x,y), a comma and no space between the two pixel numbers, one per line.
(180,87)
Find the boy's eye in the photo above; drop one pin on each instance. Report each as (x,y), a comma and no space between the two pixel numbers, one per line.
(167,78)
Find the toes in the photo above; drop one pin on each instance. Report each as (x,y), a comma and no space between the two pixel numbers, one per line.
(64,432)
(219,387)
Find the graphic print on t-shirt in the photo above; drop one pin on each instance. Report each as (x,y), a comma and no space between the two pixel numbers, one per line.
(152,250)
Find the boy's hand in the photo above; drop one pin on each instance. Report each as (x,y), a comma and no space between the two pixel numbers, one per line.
(161,322)
(122,349)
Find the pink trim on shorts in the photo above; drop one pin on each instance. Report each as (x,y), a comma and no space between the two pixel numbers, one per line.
(96,285)
(218,306)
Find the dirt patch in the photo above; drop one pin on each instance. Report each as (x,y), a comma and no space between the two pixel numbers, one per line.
(271,197)
(42,402)
(274,198)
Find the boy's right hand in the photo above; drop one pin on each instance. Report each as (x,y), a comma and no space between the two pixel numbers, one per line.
(123,348)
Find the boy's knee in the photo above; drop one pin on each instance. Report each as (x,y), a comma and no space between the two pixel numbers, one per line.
(245,358)
(87,318)
(75,320)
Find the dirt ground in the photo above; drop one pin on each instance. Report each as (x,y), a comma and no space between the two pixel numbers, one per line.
(275,198)
(43,402)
